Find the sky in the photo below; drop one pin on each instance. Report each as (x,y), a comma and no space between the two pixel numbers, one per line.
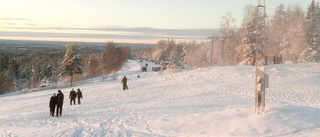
(105,20)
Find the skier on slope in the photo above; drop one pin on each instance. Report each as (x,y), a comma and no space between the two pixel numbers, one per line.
(124,82)
(72,97)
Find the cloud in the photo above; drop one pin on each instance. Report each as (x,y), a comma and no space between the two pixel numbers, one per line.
(17,21)
(95,36)
(141,34)
(11,23)
(135,30)
(31,24)
(14,19)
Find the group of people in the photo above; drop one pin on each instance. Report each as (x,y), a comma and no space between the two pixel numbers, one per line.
(57,101)
(73,95)
(277,59)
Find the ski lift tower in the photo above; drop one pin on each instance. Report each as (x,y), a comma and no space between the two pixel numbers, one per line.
(261,78)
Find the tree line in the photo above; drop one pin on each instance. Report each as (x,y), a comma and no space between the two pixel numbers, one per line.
(291,32)
(30,70)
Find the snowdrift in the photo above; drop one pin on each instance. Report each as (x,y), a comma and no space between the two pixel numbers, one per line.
(215,101)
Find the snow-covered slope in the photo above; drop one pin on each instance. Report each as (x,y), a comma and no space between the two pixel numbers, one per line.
(217,101)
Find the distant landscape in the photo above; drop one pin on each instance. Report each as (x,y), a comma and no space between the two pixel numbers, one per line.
(28,46)
(120,35)
(29,64)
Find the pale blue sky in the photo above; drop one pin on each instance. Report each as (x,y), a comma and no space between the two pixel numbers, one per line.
(56,15)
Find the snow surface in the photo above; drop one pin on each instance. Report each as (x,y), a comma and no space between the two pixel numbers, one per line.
(215,101)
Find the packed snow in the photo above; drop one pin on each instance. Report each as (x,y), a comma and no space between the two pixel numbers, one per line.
(214,101)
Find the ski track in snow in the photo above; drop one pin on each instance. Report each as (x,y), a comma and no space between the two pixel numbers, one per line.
(215,101)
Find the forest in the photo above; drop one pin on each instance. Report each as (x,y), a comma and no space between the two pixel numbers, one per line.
(291,32)
(29,69)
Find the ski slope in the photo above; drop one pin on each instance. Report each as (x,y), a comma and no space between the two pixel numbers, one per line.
(215,101)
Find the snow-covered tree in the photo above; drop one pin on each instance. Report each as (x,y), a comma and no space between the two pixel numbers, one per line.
(72,63)
(146,53)
(228,40)
(48,72)
(279,25)
(248,11)
(292,39)
(255,35)
(163,49)
(179,52)
(312,50)
(196,55)
(247,14)
(92,65)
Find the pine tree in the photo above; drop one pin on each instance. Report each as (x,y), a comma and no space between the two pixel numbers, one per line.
(72,62)
(196,55)
(255,37)
(163,49)
(312,50)
(279,26)
(293,39)
(240,35)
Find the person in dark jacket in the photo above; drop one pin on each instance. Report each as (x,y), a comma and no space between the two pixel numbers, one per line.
(60,97)
(265,60)
(124,82)
(279,59)
(52,104)
(79,95)
(72,97)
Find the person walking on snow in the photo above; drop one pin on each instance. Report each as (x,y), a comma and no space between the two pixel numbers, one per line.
(124,82)
(72,97)
(52,104)
(279,59)
(60,97)
(79,95)
(274,60)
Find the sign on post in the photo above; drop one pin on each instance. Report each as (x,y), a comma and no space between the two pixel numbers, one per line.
(261,82)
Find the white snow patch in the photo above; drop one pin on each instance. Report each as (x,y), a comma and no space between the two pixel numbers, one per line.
(215,101)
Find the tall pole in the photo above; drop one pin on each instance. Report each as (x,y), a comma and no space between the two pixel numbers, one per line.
(212,40)
(266,28)
(211,52)
(260,76)
(222,51)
